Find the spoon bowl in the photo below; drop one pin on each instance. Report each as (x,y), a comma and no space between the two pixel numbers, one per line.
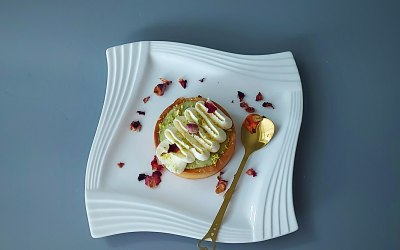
(265,129)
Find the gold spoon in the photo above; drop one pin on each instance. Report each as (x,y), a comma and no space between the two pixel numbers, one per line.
(256,132)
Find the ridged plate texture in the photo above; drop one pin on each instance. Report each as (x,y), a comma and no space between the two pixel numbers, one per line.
(262,207)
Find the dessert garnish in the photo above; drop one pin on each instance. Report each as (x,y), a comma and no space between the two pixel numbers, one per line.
(211,108)
(221,184)
(146,99)
(251,172)
(165,81)
(141,177)
(244,105)
(141,112)
(241,95)
(136,126)
(121,164)
(259,97)
(192,128)
(155,166)
(268,105)
(160,89)
(153,180)
(173,148)
(250,110)
(182,82)
(251,122)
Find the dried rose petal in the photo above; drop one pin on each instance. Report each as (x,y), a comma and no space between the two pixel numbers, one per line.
(192,128)
(157,173)
(159,167)
(244,105)
(136,126)
(268,105)
(155,165)
(141,177)
(221,186)
(251,172)
(141,112)
(259,97)
(146,99)
(121,164)
(211,108)
(250,110)
(173,148)
(202,79)
(165,81)
(241,95)
(153,180)
(182,82)
(251,122)
(160,89)
(154,162)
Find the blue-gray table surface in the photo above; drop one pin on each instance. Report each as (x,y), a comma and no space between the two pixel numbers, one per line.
(53,77)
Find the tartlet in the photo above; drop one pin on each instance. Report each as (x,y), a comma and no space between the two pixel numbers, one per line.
(198,168)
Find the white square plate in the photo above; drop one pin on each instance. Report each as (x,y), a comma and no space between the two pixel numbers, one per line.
(262,206)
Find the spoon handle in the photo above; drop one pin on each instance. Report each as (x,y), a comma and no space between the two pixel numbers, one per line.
(216,225)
